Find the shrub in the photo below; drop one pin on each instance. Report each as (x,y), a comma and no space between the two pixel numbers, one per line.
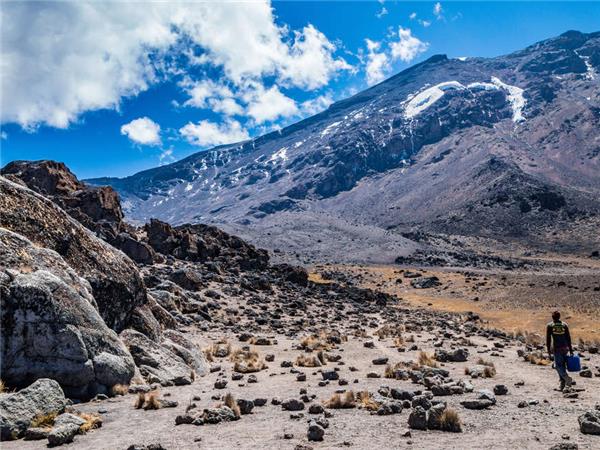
(426,359)
(43,420)
(152,401)
(119,389)
(365,401)
(92,421)
(341,401)
(450,421)
(230,401)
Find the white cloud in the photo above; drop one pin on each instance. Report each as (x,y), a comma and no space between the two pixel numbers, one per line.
(412,16)
(408,46)
(382,12)
(377,62)
(438,10)
(268,104)
(209,94)
(424,23)
(142,131)
(206,133)
(61,59)
(166,156)
(3,135)
(316,105)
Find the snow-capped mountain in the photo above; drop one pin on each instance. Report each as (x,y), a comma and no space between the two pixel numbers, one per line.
(506,147)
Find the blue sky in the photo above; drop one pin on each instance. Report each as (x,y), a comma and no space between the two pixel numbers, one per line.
(111,89)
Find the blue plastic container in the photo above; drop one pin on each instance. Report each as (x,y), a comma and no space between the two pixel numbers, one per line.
(573,363)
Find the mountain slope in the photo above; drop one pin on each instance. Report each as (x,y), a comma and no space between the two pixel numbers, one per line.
(506,147)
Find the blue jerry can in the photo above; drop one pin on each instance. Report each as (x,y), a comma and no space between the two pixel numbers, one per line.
(573,363)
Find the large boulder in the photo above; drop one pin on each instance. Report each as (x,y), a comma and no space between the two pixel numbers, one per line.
(186,350)
(50,325)
(17,410)
(115,281)
(589,422)
(156,363)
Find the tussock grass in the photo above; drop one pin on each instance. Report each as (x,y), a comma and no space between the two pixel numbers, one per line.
(392,371)
(365,401)
(43,420)
(208,354)
(341,401)
(483,362)
(2,387)
(230,401)
(389,331)
(308,361)
(537,358)
(119,389)
(92,421)
(152,401)
(247,361)
(489,372)
(450,421)
(426,359)
(220,349)
(147,401)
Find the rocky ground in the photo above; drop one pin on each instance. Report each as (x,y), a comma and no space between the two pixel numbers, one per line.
(162,337)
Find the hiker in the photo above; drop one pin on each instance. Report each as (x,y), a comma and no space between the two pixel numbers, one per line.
(558,339)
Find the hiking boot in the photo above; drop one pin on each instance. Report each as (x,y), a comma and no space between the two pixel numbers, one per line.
(568,381)
(562,385)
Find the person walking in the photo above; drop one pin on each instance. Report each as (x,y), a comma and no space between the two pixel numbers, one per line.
(558,342)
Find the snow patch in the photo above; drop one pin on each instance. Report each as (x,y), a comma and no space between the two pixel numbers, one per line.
(591,72)
(515,98)
(424,99)
(280,154)
(330,128)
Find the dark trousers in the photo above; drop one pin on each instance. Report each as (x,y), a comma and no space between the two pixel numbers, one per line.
(560,364)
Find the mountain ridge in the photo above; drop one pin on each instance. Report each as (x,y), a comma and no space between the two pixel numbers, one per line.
(537,109)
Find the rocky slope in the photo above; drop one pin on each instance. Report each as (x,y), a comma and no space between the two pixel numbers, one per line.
(505,147)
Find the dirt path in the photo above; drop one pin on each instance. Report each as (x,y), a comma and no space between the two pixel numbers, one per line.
(504,426)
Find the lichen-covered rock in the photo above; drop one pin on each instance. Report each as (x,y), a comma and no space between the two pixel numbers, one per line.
(50,326)
(18,409)
(115,281)
(186,350)
(156,363)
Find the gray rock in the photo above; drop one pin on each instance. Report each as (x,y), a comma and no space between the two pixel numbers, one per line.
(156,363)
(36,434)
(54,317)
(434,415)
(19,409)
(62,434)
(246,406)
(315,431)
(187,351)
(500,389)
(479,403)
(68,419)
(218,415)
(417,420)
(458,355)
(330,375)
(589,422)
(292,404)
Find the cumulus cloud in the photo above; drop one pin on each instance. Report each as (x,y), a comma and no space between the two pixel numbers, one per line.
(316,105)
(377,62)
(268,104)
(438,10)
(407,47)
(61,59)
(142,131)
(206,133)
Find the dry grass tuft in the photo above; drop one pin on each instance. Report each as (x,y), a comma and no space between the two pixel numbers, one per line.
(399,342)
(365,401)
(119,389)
(208,354)
(427,359)
(389,331)
(450,421)
(308,361)
(230,401)
(489,371)
(92,421)
(537,358)
(220,349)
(247,361)
(152,401)
(483,362)
(139,400)
(341,401)
(43,420)
(2,387)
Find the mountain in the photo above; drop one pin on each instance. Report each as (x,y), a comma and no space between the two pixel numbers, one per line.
(504,149)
